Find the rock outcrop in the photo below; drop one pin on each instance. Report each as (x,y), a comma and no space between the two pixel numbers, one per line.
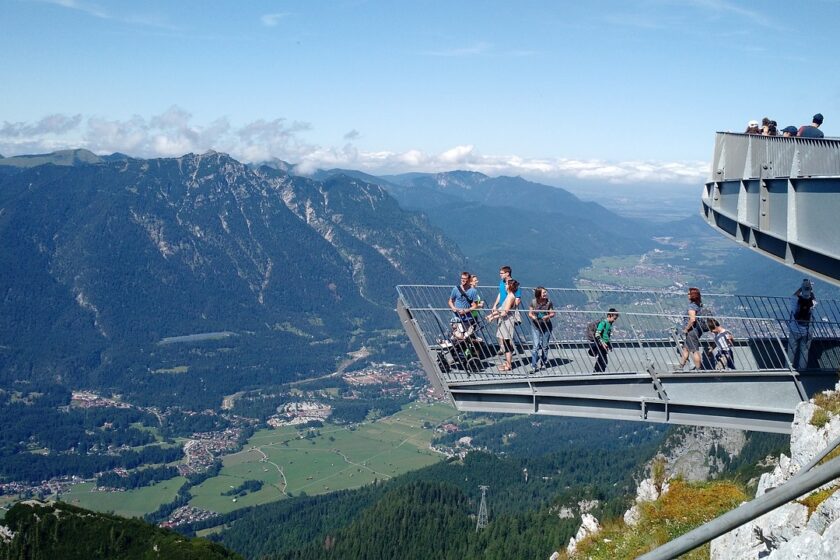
(789,531)
(693,452)
(588,526)
(647,491)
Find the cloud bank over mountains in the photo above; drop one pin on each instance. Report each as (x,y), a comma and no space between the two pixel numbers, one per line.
(174,133)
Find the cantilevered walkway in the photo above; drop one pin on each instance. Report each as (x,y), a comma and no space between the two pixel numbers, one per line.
(775,195)
(778,196)
(643,381)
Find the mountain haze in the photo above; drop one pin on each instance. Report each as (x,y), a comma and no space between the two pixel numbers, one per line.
(546,233)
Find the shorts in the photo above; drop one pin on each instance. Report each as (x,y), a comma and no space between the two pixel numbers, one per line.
(692,341)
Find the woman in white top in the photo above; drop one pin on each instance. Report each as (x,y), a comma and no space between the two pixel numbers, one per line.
(506,314)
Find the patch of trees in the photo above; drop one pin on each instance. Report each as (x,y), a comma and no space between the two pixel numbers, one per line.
(353,411)
(33,467)
(136,479)
(185,424)
(749,464)
(49,531)
(244,488)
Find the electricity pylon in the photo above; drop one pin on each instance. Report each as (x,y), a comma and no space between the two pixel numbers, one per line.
(482,509)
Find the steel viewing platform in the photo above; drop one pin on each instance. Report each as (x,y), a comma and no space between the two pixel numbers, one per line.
(779,196)
(642,381)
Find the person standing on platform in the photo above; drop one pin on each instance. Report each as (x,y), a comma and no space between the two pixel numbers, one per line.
(540,312)
(462,300)
(506,329)
(504,276)
(812,130)
(799,325)
(601,346)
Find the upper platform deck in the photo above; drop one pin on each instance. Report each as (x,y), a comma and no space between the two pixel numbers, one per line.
(642,380)
(778,196)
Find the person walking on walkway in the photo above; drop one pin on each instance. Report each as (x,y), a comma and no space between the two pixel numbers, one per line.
(601,346)
(692,330)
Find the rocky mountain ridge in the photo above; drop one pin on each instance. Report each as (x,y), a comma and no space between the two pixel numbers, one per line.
(114,254)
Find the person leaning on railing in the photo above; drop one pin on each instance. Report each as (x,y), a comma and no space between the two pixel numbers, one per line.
(799,342)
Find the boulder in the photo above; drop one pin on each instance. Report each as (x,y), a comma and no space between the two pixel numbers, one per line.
(831,540)
(632,516)
(756,539)
(826,513)
(805,546)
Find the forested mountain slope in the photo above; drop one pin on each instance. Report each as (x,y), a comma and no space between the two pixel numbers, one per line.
(113,255)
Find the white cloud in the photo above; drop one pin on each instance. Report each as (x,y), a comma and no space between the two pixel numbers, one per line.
(51,124)
(174,133)
(271,20)
(94,10)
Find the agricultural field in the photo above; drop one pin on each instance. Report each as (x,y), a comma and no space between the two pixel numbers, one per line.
(634,271)
(290,462)
(131,503)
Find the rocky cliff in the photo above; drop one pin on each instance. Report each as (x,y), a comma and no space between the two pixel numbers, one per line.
(808,527)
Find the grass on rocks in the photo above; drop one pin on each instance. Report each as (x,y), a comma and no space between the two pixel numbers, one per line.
(685,507)
(829,405)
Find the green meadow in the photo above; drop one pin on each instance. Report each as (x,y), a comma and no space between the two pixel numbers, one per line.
(338,457)
(131,503)
(289,462)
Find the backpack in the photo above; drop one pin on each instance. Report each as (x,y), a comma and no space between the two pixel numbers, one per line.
(803,311)
(591,330)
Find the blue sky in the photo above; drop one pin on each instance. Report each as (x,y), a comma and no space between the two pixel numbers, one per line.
(622,92)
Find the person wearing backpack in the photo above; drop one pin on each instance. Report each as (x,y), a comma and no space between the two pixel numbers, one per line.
(463,300)
(540,312)
(692,330)
(724,357)
(600,345)
(799,325)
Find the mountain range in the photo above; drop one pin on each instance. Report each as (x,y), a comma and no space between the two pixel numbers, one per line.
(113,255)
(152,277)
(547,233)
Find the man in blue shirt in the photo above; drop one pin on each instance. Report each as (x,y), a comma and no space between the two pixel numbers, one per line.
(504,274)
(464,299)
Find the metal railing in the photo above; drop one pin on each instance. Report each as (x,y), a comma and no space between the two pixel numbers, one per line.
(647,337)
(750,156)
(804,481)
